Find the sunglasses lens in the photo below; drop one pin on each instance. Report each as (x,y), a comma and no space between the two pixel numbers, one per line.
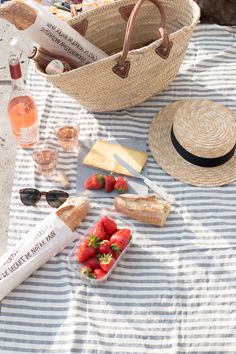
(56,198)
(29,196)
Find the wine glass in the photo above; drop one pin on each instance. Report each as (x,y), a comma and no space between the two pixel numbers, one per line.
(67,133)
(45,158)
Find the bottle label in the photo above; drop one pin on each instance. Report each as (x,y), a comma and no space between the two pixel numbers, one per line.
(29,135)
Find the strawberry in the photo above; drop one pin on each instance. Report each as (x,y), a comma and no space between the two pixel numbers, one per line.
(121,185)
(99,273)
(120,240)
(109,183)
(87,248)
(106,261)
(87,271)
(94,182)
(98,231)
(92,262)
(109,225)
(116,255)
(105,247)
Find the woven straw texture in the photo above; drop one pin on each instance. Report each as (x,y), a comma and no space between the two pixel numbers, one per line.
(96,86)
(203,128)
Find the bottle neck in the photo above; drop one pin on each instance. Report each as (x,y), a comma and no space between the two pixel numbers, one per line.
(17,84)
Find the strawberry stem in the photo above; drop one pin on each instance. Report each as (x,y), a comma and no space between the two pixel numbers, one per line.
(94,241)
(115,248)
(106,258)
(87,271)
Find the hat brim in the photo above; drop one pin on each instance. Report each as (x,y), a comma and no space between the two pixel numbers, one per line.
(175,165)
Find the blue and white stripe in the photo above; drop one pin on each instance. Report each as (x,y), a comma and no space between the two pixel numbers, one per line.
(174,292)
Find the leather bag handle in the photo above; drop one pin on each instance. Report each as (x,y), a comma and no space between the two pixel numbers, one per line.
(122,67)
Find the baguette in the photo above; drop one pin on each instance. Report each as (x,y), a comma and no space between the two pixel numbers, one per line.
(73,211)
(19,13)
(49,237)
(146,208)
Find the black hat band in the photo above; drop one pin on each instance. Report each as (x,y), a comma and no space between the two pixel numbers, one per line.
(197,160)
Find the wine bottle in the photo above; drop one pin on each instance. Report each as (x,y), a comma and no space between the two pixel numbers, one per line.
(50,33)
(40,56)
(22,111)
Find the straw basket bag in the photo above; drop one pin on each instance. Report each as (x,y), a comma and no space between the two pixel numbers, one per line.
(146,41)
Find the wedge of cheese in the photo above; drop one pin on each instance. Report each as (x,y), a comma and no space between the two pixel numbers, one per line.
(101,156)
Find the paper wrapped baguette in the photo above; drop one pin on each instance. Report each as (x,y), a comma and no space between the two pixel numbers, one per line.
(145,208)
(50,33)
(49,237)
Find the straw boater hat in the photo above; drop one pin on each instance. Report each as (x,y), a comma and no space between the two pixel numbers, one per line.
(194,141)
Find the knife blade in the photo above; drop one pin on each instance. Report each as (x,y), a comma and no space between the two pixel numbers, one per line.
(158,189)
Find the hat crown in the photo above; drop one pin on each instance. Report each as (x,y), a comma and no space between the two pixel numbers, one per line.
(205,128)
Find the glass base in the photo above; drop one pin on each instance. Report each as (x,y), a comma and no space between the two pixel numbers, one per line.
(28,145)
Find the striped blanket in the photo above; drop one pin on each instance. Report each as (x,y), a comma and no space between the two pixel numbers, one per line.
(175,289)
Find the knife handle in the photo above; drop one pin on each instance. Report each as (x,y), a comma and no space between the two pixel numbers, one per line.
(159,190)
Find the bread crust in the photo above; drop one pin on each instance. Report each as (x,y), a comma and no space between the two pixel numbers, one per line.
(145,208)
(73,211)
(18,13)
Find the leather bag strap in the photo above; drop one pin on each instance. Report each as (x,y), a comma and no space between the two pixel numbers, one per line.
(122,67)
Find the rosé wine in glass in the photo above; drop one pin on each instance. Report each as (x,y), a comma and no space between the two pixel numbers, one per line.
(45,158)
(67,136)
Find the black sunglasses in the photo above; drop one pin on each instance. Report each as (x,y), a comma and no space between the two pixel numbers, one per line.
(30,196)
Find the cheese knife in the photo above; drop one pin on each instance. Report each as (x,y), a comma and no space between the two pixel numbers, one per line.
(159,190)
